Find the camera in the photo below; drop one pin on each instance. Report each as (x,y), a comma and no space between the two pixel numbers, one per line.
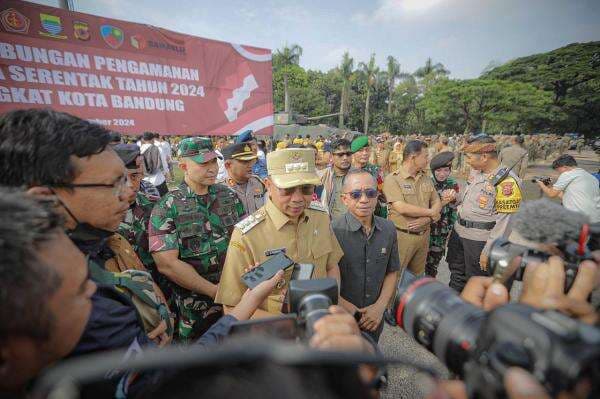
(547,180)
(309,300)
(480,346)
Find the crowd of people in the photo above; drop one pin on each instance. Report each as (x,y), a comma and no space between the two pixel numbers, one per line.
(117,252)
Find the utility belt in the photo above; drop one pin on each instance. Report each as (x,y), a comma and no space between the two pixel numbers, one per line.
(476,225)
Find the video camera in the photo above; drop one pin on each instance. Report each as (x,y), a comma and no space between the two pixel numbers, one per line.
(307,300)
(479,346)
(508,260)
(547,180)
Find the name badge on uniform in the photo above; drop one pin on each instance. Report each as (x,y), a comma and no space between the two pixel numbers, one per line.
(383,251)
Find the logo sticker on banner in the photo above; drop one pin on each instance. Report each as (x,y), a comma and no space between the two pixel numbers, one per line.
(81,30)
(138,42)
(112,35)
(14,21)
(52,25)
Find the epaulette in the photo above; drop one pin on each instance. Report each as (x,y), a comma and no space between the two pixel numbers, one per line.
(317,206)
(246,224)
(259,179)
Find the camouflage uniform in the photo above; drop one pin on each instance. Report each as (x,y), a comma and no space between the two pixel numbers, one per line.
(375,171)
(441,229)
(199,227)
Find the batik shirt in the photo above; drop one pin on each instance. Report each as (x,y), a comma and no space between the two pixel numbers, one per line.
(198,226)
(442,228)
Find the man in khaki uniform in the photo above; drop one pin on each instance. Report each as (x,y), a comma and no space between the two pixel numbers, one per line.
(414,204)
(515,155)
(492,195)
(288,220)
(382,155)
(239,160)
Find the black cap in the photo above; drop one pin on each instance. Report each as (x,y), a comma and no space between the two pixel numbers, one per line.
(128,154)
(115,137)
(239,151)
(441,160)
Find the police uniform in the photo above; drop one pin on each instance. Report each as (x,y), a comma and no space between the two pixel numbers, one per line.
(199,227)
(484,212)
(311,240)
(400,186)
(251,192)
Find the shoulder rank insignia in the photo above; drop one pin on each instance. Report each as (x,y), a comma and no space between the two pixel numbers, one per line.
(317,206)
(246,224)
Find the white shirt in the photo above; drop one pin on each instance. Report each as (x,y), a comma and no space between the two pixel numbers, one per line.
(581,192)
(165,153)
(222,173)
(157,178)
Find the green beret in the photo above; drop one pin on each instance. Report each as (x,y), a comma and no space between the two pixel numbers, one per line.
(358,143)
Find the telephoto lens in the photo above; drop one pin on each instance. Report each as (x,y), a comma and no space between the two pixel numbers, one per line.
(311,300)
(434,315)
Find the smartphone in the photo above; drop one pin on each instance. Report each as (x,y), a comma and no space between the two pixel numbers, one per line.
(303,271)
(266,270)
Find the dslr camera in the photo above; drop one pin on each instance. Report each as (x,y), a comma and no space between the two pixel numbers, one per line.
(547,180)
(306,300)
(480,346)
(508,260)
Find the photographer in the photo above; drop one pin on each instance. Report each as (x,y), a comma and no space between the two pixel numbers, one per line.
(577,188)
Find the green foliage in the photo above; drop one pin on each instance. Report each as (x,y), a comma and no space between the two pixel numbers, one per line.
(557,92)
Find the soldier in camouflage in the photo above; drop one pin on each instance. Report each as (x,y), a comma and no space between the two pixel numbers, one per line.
(189,234)
(447,188)
(360,160)
(134,227)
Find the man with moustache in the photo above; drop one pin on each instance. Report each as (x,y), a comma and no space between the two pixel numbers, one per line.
(189,234)
(239,163)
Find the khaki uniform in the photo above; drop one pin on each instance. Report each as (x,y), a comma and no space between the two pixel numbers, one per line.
(399,186)
(382,160)
(484,213)
(309,241)
(515,155)
(395,160)
(252,193)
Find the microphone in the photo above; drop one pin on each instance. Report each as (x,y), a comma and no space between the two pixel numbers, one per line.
(547,222)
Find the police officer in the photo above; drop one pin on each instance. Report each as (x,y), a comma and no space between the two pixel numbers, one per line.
(239,161)
(515,155)
(287,220)
(414,204)
(492,195)
(189,234)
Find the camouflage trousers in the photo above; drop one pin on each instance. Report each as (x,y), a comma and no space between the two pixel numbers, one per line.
(434,257)
(195,315)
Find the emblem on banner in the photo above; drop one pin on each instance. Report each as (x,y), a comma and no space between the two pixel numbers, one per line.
(81,30)
(14,21)
(112,35)
(52,25)
(138,41)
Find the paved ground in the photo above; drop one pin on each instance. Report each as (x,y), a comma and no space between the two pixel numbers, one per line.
(404,382)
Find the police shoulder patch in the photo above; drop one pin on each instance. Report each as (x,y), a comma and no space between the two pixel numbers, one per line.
(248,223)
(508,196)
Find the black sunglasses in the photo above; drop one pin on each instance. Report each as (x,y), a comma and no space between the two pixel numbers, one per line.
(357,194)
(341,154)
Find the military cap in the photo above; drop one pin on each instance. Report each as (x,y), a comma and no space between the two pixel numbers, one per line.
(239,151)
(199,149)
(128,154)
(244,137)
(359,142)
(291,167)
(441,160)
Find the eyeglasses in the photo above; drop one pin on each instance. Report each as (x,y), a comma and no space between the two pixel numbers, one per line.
(118,187)
(306,189)
(357,194)
(343,154)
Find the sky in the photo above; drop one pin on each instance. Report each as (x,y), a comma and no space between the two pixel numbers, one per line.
(464,35)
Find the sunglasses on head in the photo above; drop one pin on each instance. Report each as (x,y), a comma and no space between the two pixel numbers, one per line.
(357,194)
(305,189)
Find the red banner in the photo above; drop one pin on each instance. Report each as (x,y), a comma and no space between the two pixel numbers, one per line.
(131,77)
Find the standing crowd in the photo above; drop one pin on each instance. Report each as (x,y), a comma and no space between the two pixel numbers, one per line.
(165,257)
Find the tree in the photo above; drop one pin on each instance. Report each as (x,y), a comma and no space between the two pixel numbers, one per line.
(430,68)
(345,70)
(284,58)
(370,73)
